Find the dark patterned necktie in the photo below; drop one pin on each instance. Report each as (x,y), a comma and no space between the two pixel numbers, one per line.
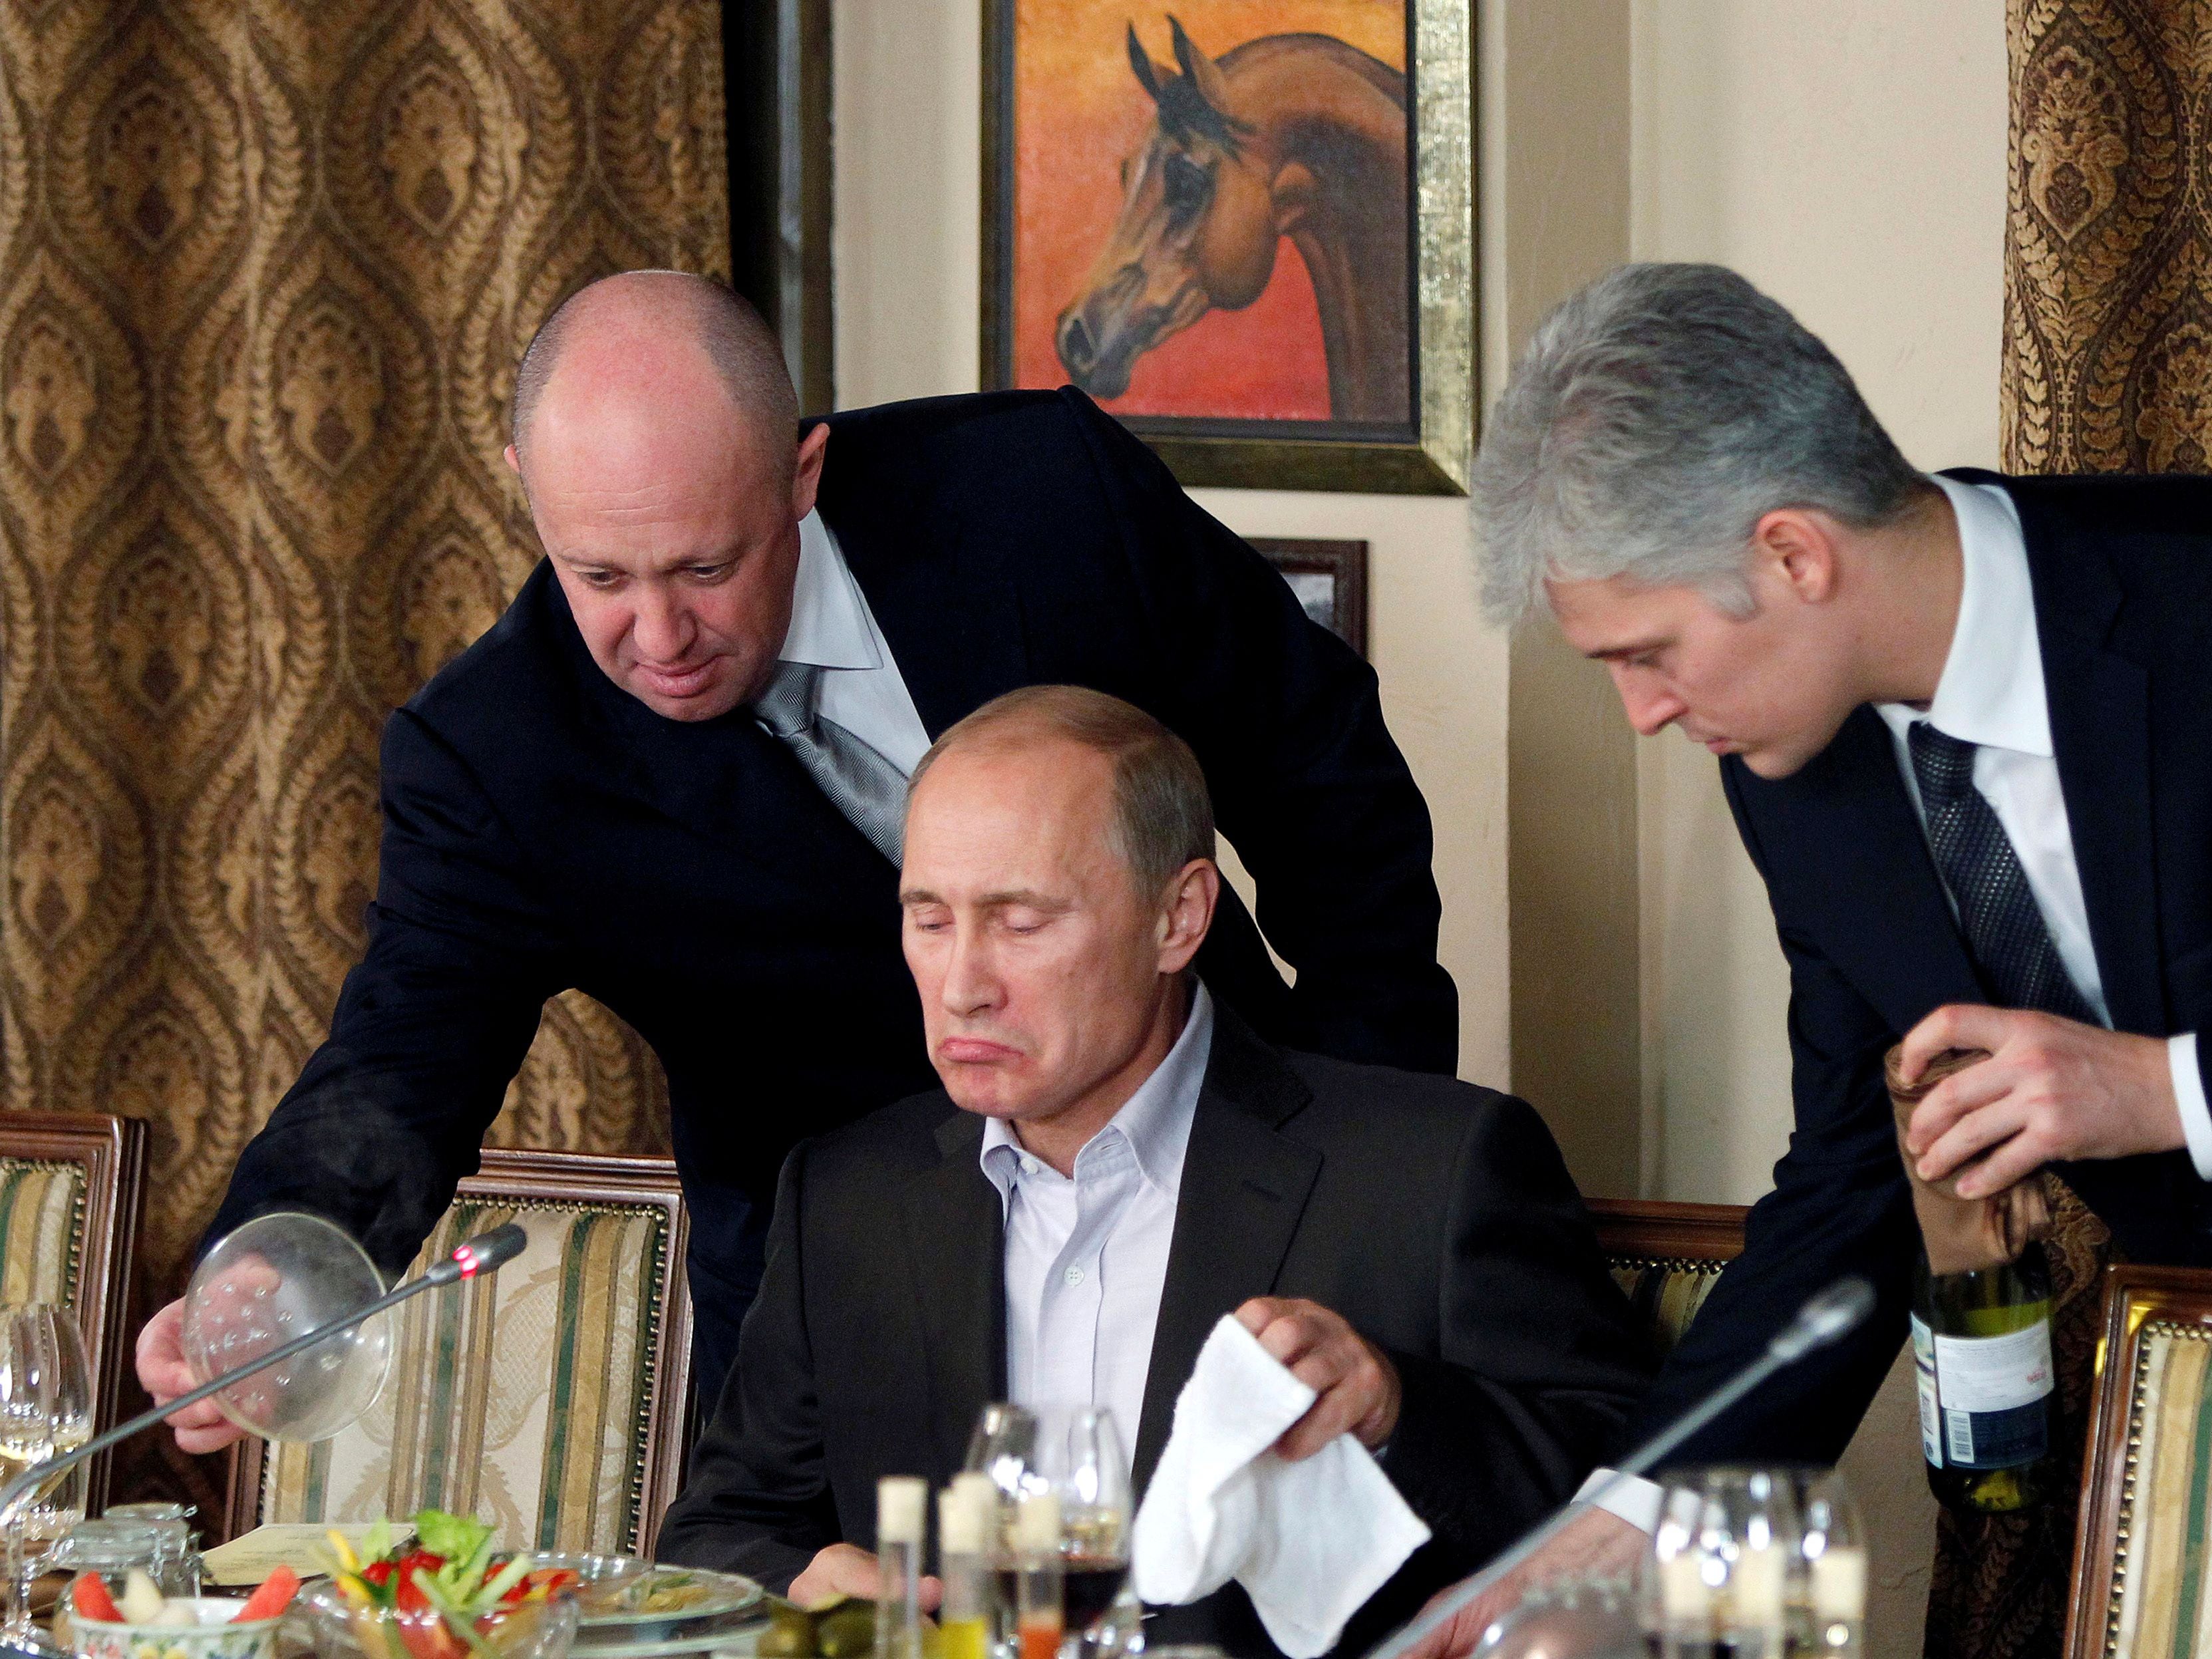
(861,783)
(2005,932)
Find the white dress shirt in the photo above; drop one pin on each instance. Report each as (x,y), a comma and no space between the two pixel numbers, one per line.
(832,628)
(1991,695)
(1087,1254)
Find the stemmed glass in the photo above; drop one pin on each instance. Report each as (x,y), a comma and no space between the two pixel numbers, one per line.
(1717,1579)
(1080,1456)
(59,1505)
(1827,1602)
(38,1397)
(1074,1452)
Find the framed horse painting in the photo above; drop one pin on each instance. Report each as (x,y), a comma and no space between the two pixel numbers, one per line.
(1245,227)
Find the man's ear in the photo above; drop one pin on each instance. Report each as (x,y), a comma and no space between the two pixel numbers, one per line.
(513,461)
(1187,915)
(807,476)
(1797,550)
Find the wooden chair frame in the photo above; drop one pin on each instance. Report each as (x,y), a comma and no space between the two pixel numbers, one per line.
(561,1178)
(2133,1297)
(113,1150)
(1646,1230)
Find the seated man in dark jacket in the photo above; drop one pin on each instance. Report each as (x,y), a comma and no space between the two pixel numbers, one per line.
(1113,1163)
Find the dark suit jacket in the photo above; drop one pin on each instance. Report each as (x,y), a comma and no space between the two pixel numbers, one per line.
(544,829)
(1435,1216)
(2122,571)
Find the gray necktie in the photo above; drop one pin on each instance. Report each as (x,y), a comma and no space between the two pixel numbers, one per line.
(861,783)
(1998,912)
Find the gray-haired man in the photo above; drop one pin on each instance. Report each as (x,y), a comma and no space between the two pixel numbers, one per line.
(1965,728)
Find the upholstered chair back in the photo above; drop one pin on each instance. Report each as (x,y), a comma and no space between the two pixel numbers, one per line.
(72,1194)
(548,1398)
(2142,1567)
(1667,1257)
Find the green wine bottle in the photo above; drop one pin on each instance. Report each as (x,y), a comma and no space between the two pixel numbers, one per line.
(1981,1344)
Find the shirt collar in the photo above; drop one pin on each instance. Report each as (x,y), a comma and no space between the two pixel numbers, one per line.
(1990,694)
(829,617)
(1155,1121)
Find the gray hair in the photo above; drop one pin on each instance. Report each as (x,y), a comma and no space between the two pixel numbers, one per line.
(744,351)
(1162,815)
(1655,418)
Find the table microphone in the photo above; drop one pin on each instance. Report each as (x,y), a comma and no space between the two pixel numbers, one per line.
(1825,1316)
(484,1253)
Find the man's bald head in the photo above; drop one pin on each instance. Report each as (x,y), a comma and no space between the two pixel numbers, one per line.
(657,437)
(634,322)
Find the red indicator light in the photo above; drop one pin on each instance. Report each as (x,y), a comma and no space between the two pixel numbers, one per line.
(467,1258)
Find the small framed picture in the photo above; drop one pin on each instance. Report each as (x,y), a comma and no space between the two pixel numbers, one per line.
(1330,578)
(1245,227)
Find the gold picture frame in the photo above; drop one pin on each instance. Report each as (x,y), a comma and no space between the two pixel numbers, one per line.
(1429,449)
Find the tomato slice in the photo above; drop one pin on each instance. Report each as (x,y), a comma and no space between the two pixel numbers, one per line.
(274,1595)
(90,1597)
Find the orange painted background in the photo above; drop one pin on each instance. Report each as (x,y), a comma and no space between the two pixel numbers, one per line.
(1078,112)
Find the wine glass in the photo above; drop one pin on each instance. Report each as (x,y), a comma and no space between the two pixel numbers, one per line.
(277,1278)
(1828,1600)
(58,1505)
(1718,1576)
(1079,1456)
(1075,1453)
(27,1421)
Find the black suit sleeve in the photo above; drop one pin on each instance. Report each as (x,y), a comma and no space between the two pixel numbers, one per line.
(758,1499)
(1539,1360)
(1840,1205)
(1307,782)
(388,1115)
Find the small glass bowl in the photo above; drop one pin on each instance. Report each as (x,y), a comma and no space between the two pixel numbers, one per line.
(533,1630)
(211,1635)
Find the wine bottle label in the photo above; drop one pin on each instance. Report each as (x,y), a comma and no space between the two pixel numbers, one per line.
(1931,1413)
(1991,1390)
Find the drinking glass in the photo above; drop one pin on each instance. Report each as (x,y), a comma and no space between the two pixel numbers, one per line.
(1003,1446)
(26,1437)
(1828,1600)
(1075,1452)
(1717,1581)
(59,1505)
(1078,1455)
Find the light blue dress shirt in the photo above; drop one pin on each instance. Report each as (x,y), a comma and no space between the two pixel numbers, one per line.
(1087,1253)
(832,628)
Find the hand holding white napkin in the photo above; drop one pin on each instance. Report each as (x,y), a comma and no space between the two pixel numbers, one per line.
(1309,1541)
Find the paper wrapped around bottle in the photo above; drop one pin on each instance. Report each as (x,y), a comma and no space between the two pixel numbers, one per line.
(1963,1234)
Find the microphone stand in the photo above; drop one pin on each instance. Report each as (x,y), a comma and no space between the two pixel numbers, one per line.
(1826,1316)
(485,1252)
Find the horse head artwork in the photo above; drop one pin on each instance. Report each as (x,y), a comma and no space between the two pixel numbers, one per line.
(1296,136)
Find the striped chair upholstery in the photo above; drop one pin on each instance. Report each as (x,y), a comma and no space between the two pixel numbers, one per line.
(2142,1570)
(548,1398)
(41,1230)
(71,1197)
(1667,1257)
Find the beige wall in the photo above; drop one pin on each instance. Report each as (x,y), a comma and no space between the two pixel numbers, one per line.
(908,159)
(1850,160)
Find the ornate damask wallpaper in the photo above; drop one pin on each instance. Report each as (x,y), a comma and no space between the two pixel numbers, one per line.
(2108,249)
(265,269)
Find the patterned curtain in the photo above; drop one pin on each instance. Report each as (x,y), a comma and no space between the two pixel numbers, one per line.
(2107,362)
(2107,367)
(265,269)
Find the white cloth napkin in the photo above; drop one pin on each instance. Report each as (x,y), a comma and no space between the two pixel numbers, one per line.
(1309,1541)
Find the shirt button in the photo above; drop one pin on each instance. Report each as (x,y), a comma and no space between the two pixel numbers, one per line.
(1029,1166)
(1074,1275)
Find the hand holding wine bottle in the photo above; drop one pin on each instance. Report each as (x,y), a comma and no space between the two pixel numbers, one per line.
(1981,1321)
